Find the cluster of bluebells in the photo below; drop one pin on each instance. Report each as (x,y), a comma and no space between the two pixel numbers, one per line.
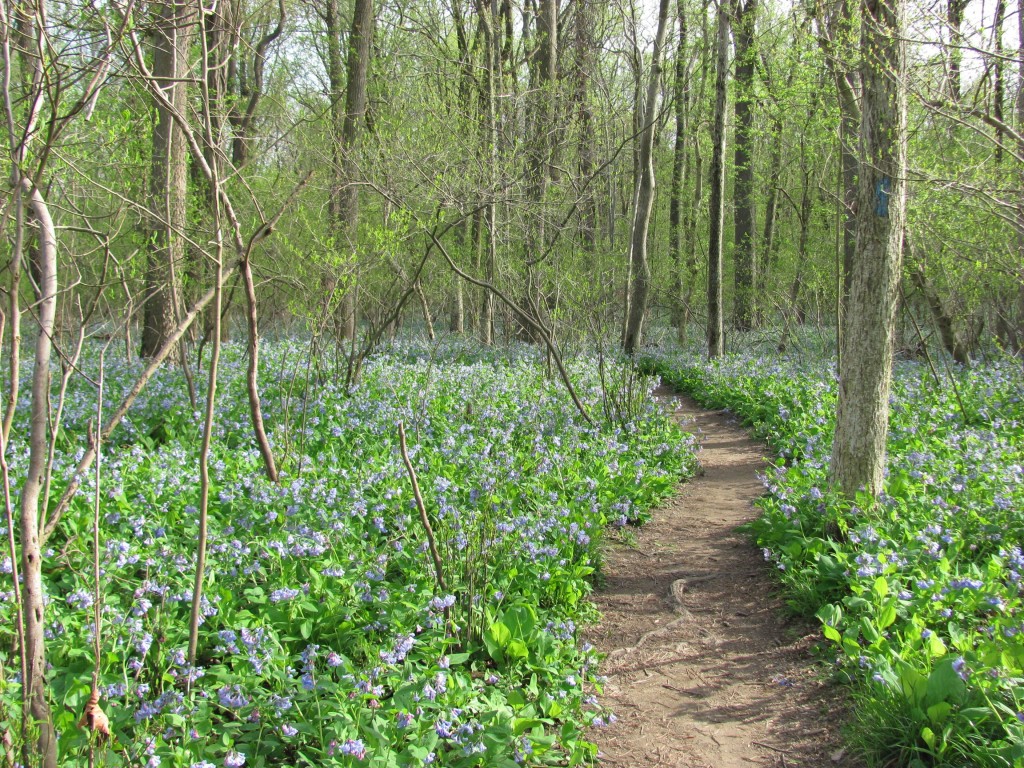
(335,552)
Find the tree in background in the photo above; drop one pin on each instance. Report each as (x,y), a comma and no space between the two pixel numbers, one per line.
(716,310)
(173,33)
(745,226)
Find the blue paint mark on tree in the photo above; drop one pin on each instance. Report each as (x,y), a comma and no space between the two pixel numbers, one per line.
(883,190)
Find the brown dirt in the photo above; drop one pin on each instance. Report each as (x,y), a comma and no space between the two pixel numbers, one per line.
(704,667)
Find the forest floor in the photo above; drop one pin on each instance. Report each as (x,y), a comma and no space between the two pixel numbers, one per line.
(704,666)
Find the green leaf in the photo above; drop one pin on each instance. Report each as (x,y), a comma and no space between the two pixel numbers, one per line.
(937,713)
(935,646)
(928,736)
(974,715)
(880,588)
(497,638)
(830,615)
(520,620)
(517,649)
(944,684)
(869,630)
(522,724)
(912,683)
(887,615)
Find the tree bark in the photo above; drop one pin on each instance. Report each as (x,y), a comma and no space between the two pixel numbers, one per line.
(168,185)
(862,418)
(347,123)
(584,65)
(680,161)
(998,77)
(251,379)
(33,607)
(489,14)
(835,32)
(541,131)
(745,253)
(955,18)
(951,340)
(639,266)
(716,323)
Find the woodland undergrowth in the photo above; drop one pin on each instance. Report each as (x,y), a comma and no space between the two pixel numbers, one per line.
(329,637)
(920,592)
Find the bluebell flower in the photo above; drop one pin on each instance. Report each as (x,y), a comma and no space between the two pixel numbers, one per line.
(232,697)
(284,594)
(960,667)
(80,598)
(355,748)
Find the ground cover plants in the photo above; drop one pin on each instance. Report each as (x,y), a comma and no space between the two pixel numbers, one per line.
(329,638)
(919,594)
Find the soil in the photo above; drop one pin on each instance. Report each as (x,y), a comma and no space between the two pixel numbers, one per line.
(704,666)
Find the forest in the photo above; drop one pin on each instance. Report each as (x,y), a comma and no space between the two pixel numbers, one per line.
(330,334)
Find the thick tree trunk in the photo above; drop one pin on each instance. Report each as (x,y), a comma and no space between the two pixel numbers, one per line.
(862,419)
(168,184)
(639,266)
(998,76)
(745,253)
(716,322)
(695,172)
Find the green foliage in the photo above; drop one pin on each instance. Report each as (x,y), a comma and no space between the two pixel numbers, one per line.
(919,594)
(326,637)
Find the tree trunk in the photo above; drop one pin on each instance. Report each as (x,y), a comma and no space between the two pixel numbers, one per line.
(584,64)
(835,32)
(862,418)
(955,17)
(33,605)
(456,318)
(716,323)
(639,266)
(541,130)
(347,125)
(796,309)
(680,161)
(951,340)
(168,184)
(998,78)
(490,16)
(745,255)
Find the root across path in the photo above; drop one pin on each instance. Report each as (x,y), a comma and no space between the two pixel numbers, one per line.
(704,667)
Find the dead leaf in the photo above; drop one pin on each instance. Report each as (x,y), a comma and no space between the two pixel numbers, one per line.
(94,717)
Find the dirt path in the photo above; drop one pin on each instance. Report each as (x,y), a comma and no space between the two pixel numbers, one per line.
(703,666)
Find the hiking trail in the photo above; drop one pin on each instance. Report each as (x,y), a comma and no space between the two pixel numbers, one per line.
(704,667)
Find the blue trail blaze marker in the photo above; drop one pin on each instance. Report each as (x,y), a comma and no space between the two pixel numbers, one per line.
(883,191)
